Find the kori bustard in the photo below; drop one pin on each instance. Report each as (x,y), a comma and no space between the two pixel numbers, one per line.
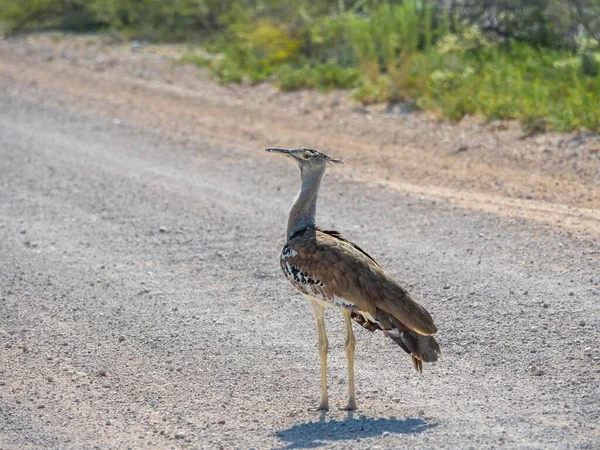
(333,272)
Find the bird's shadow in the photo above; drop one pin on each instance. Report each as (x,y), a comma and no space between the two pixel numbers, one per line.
(314,434)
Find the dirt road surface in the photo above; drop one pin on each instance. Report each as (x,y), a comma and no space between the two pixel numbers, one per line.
(142,304)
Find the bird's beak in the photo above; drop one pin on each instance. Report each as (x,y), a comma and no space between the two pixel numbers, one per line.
(334,160)
(284,151)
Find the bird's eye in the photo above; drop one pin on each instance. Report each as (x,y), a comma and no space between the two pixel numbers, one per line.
(307,155)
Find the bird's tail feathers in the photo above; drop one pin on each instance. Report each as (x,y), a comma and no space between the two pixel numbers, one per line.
(400,305)
(421,348)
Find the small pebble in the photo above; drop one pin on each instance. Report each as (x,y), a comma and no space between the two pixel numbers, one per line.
(582,323)
(108,422)
(179,435)
(121,338)
(101,373)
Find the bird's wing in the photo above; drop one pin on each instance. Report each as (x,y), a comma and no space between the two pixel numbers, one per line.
(323,265)
(338,235)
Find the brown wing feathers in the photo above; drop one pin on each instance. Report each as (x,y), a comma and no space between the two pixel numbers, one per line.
(338,235)
(348,272)
(421,348)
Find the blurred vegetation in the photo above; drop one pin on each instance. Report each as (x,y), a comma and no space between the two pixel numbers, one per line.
(537,61)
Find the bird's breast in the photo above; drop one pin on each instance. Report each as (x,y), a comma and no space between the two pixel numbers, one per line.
(301,277)
(307,281)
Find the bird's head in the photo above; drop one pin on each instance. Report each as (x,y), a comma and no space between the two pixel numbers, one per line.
(308,159)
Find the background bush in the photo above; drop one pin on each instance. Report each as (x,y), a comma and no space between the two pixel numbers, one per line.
(535,60)
(547,23)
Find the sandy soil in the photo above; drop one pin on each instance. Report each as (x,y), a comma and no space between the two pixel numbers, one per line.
(141,302)
(491,167)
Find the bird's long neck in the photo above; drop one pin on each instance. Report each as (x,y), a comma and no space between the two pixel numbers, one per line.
(302,214)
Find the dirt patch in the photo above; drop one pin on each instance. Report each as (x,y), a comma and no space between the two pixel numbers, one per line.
(549,177)
(142,303)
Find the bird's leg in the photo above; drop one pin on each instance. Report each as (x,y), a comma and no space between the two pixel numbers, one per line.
(350,345)
(323,347)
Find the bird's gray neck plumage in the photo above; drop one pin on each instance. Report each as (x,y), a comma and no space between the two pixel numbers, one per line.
(302,214)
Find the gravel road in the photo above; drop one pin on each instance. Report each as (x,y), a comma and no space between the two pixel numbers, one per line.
(142,304)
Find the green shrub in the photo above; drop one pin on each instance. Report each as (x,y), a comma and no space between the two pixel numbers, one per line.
(518,82)
(17,16)
(149,19)
(254,52)
(412,50)
(590,64)
(389,40)
(377,91)
(324,76)
(196,60)
(158,19)
(325,40)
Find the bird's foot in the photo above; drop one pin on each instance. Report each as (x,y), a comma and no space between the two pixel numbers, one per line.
(351,406)
(324,406)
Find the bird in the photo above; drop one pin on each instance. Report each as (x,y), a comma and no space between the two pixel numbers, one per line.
(331,271)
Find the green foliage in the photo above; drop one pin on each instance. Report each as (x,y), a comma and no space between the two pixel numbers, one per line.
(549,89)
(256,51)
(464,73)
(158,19)
(325,39)
(376,91)
(542,23)
(196,60)
(324,76)
(539,62)
(17,16)
(389,40)
(150,19)
(590,64)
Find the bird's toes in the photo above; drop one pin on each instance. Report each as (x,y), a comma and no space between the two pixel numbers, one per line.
(324,406)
